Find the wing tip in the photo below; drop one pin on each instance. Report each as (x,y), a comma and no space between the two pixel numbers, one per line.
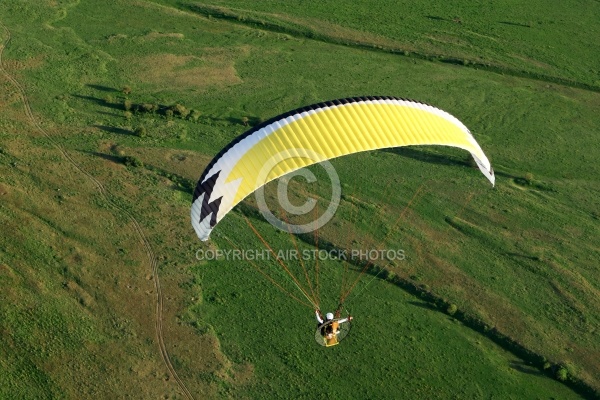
(491,177)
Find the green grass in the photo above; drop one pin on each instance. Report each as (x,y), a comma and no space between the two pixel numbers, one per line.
(395,349)
(520,257)
(517,38)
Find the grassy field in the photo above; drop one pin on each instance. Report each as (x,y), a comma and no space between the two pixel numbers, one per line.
(103,295)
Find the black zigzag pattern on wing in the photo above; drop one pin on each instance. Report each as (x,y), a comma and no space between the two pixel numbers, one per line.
(208,208)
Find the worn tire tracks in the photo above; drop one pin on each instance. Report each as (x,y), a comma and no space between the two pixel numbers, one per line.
(107,196)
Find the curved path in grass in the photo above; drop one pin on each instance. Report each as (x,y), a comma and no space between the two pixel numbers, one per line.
(107,196)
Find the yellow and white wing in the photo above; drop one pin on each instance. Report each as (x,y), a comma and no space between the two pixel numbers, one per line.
(319,132)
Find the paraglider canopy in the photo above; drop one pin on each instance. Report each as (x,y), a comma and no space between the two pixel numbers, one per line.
(315,133)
